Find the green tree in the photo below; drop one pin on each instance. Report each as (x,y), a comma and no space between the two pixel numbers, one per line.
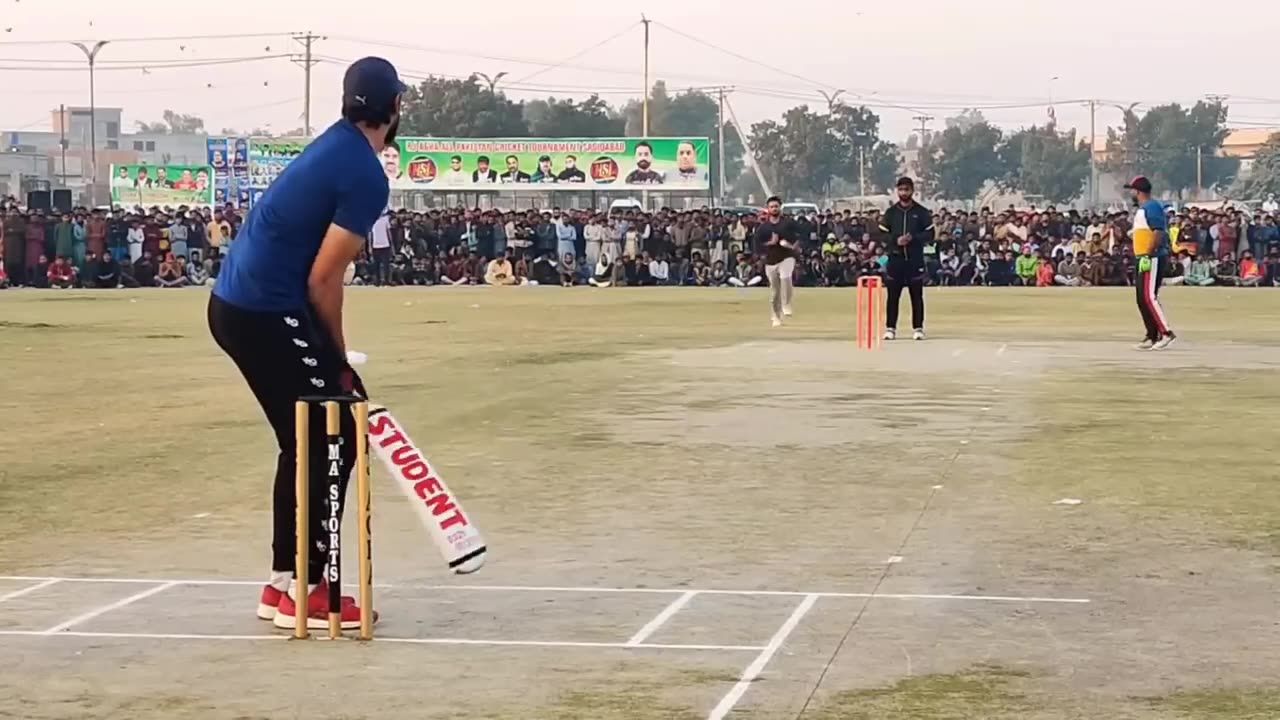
(957,162)
(800,155)
(440,107)
(173,124)
(1043,161)
(567,118)
(862,152)
(1263,178)
(1162,144)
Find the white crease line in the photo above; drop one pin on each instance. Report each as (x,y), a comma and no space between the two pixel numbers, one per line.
(598,590)
(676,606)
(62,627)
(30,589)
(379,639)
(757,666)
(1002,349)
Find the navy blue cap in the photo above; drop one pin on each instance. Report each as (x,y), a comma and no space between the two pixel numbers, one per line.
(372,82)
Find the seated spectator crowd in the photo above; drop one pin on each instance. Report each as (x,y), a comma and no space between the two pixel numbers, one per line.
(167,247)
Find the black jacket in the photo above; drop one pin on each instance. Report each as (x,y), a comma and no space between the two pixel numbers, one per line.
(915,221)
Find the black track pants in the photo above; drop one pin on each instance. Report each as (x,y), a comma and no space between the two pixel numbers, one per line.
(285,356)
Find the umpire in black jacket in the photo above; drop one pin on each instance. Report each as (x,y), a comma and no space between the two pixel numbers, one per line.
(909,226)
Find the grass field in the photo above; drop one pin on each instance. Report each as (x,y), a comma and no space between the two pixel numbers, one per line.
(818,521)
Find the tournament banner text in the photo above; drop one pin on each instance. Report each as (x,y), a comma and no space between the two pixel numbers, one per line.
(560,164)
(172,185)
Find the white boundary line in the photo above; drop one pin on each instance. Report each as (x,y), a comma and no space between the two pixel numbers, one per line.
(757,666)
(599,590)
(380,639)
(62,627)
(676,606)
(29,589)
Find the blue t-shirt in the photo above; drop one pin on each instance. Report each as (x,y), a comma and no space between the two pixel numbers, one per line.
(336,180)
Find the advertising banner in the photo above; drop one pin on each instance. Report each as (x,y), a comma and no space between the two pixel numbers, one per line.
(268,157)
(229,158)
(585,164)
(173,185)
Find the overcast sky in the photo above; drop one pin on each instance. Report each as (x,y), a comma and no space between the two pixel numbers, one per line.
(928,57)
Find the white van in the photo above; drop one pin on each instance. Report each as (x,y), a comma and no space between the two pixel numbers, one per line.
(619,207)
(796,209)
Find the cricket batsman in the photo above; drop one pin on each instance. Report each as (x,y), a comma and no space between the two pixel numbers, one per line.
(1151,250)
(276,311)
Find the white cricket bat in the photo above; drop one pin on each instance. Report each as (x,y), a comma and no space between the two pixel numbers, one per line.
(458,540)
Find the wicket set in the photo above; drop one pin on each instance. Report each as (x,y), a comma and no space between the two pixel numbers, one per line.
(333,407)
(870,312)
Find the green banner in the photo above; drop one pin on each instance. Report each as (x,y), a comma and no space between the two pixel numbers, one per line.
(582,164)
(148,185)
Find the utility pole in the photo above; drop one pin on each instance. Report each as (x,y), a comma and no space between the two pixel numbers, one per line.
(644,131)
(751,155)
(62,140)
(91,54)
(307,63)
(924,128)
(720,145)
(1093,154)
(924,142)
(862,175)
(1199,172)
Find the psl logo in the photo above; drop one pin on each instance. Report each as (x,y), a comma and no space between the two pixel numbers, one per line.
(300,343)
(317,382)
(309,361)
(291,322)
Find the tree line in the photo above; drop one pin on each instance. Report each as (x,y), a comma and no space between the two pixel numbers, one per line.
(819,153)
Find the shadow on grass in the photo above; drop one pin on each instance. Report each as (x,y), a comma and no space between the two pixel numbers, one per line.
(983,691)
(1221,704)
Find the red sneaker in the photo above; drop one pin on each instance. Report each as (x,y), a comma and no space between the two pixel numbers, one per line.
(318,611)
(269,602)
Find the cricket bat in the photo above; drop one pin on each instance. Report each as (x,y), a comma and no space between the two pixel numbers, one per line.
(457,539)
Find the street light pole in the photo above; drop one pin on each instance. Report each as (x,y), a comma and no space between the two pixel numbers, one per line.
(492,81)
(91,54)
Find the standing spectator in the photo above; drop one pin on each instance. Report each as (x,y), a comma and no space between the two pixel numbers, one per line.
(79,240)
(136,239)
(35,250)
(64,239)
(178,237)
(594,234)
(96,234)
(13,229)
(380,243)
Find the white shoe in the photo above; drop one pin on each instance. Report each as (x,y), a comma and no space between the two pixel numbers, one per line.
(918,334)
(786,311)
(1146,344)
(777,322)
(1164,342)
(890,334)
